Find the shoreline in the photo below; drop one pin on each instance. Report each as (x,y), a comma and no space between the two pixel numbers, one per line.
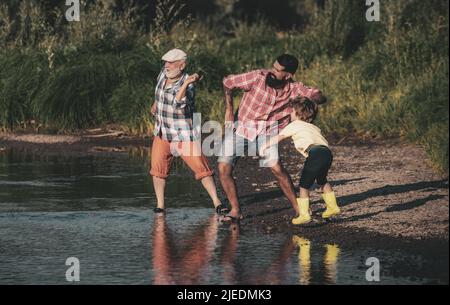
(384,188)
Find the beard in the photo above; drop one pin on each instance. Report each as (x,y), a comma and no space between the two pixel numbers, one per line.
(275,83)
(173,73)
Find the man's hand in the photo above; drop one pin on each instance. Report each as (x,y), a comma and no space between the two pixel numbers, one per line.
(192,79)
(318,98)
(153,109)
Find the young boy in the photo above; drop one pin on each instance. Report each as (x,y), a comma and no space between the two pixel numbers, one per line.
(309,141)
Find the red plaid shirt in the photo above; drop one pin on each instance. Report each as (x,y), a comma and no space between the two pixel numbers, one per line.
(262,107)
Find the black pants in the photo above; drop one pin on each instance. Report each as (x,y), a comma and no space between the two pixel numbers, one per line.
(316,166)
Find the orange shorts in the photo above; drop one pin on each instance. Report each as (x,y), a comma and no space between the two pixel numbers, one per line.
(190,152)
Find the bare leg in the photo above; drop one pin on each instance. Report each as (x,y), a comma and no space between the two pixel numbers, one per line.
(326,188)
(210,187)
(159,186)
(286,185)
(229,186)
(304,193)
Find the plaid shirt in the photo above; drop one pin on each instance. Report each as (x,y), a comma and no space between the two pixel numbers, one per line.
(174,118)
(262,108)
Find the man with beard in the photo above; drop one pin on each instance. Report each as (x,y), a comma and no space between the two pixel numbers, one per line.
(174,133)
(264,110)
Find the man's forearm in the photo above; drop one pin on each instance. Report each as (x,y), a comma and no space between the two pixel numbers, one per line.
(182,92)
(228,99)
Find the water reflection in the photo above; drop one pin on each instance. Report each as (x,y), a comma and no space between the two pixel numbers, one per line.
(330,260)
(228,262)
(330,263)
(30,181)
(170,260)
(185,259)
(304,259)
(97,207)
(190,258)
(299,248)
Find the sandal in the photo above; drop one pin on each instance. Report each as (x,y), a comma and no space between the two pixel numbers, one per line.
(221,210)
(232,219)
(158,210)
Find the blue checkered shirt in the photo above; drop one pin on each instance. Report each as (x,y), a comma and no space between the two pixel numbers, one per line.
(174,119)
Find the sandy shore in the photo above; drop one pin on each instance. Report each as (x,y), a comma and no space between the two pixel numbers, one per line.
(385,188)
(91,141)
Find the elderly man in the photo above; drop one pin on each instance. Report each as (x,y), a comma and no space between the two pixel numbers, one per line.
(173,109)
(264,109)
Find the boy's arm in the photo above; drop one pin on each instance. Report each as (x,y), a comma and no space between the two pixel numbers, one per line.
(287,132)
(272,141)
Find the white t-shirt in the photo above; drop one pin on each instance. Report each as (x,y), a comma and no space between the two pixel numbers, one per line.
(304,135)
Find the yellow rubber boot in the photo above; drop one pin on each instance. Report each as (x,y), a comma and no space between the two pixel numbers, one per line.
(304,217)
(331,203)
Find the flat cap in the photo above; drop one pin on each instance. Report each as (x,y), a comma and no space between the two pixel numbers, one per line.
(174,55)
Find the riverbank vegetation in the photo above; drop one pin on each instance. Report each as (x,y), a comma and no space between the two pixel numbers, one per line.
(383,79)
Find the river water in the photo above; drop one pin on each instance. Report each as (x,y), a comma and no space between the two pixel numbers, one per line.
(98,210)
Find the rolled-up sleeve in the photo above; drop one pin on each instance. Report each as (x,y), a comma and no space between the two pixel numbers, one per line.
(244,81)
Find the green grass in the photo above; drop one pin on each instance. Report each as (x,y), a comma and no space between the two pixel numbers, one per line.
(76,96)
(22,77)
(384,79)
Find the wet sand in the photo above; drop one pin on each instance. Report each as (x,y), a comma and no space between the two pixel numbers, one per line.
(387,189)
